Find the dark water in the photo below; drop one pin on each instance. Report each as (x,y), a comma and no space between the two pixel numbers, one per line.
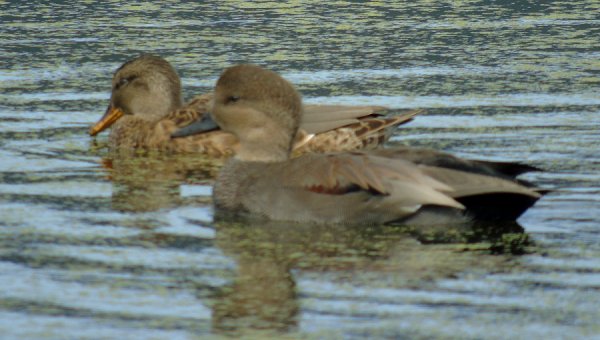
(96,246)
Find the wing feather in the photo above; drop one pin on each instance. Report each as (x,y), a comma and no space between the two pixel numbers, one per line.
(345,173)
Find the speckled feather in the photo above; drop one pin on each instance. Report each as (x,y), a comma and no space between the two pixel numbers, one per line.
(326,128)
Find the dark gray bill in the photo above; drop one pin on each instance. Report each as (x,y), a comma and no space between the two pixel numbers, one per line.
(200,126)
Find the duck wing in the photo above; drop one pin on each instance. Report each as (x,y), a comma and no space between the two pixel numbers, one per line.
(341,174)
(489,190)
(321,118)
(332,131)
(192,111)
(423,156)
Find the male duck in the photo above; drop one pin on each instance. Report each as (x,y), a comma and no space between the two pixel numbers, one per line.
(264,112)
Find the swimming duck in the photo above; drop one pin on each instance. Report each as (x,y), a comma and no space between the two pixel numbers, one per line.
(264,112)
(146,112)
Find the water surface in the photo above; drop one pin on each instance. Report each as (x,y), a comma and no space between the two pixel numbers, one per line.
(98,246)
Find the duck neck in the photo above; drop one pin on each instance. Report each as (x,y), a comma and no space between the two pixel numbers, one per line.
(275,148)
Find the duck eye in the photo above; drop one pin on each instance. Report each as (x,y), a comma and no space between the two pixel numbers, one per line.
(124,81)
(232,99)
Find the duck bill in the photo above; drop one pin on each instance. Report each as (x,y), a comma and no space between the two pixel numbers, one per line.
(205,124)
(111,115)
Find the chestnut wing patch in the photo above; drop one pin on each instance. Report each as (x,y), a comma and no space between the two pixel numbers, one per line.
(337,174)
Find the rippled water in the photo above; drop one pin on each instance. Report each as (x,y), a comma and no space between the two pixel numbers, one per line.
(97,246)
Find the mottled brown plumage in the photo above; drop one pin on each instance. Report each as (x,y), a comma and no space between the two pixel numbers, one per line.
(380,186)
(146,109)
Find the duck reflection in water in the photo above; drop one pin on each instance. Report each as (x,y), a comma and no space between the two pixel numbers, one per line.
(144,182)
(271,257)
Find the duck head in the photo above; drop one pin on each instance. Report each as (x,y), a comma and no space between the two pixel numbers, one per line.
(146,87)
(261,109)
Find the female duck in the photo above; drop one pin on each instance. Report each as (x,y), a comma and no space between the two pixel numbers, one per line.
(146,109)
